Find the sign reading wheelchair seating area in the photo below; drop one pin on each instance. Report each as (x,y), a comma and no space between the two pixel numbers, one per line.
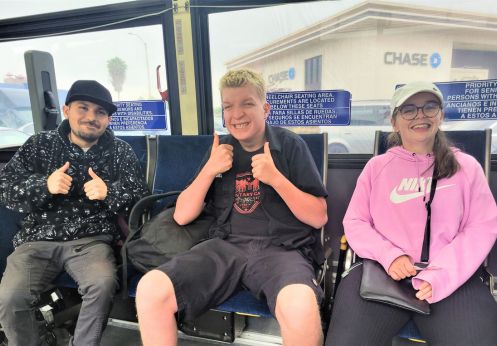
(470,100)
(309,108)
(139,116)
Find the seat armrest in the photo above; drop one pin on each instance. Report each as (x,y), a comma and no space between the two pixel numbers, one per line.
(491,281)
(144,205)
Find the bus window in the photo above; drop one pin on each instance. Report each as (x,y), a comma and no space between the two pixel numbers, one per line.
(123,60)
(362,47)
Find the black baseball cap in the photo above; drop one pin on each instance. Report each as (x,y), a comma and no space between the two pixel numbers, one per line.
(92,91)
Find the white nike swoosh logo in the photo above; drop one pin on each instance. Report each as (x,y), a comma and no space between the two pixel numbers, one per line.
(396,198)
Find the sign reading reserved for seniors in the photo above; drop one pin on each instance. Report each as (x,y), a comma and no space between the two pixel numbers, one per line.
(139,116)
(309,108)
(470,100)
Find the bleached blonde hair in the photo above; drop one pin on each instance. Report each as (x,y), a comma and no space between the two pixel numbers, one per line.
(242,77)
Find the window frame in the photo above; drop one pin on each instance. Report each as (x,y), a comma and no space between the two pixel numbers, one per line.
(200,10)
(91,19)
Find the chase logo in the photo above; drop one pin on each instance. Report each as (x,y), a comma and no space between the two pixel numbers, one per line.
(282,76)
(291,73)
(413,59)
(435,60)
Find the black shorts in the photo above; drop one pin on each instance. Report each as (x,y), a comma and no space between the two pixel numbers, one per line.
(212,271)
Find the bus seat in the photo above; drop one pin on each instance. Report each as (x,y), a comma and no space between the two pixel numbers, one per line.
(474,142)
(244,303)
(9,224)
(178,158)
(141,147)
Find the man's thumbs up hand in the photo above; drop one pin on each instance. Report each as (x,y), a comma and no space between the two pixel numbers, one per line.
(59,182)
(263,167)
(96,188)
(221,158)
(215,142)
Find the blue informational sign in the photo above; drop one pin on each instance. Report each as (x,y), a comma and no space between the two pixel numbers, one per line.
(470,100)
(139,116)
(309,108)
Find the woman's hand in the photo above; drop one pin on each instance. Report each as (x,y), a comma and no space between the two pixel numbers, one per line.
(401,268)
(424,291)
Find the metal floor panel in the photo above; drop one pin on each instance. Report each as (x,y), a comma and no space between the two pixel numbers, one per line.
(259,332)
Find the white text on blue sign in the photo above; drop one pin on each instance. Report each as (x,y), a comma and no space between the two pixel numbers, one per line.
(139,116)
(470,100)
(309,108)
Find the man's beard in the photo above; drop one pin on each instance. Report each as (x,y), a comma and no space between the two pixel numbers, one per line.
(87,137)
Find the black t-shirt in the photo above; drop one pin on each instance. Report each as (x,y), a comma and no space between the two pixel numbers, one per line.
(247,217)
(293,160)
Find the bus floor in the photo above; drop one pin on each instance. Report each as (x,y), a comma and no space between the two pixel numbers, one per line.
(262,333)
(259,331)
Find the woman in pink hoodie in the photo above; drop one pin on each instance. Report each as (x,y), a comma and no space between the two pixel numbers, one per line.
(385,222)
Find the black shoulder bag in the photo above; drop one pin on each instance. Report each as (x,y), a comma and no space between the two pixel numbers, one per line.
(377,285)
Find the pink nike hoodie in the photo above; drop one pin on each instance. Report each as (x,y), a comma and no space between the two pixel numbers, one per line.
(386,217)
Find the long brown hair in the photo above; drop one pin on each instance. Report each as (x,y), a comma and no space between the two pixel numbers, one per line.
(445,159)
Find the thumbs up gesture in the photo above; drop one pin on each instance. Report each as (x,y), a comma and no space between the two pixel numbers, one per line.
(95,189)
(221,158)
(263,167)
(59,182)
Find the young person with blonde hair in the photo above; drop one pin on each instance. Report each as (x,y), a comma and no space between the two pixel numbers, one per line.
(269,203)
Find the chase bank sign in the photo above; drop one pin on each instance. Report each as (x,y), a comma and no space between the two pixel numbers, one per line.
(282,76)
(412,59)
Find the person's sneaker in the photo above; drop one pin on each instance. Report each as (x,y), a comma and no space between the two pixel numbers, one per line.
(47,335)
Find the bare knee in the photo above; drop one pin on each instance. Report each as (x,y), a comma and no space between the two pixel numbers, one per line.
(297,313)
(296,304)
(155,289)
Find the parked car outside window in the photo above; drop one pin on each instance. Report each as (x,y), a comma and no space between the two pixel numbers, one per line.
(12,138)
(15,109)
(358,137)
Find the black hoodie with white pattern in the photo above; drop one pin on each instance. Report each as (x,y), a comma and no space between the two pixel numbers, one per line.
(23,186)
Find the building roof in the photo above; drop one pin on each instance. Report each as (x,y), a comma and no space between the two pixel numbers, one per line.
(375,15)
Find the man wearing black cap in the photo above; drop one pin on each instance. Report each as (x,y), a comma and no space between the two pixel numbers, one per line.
(72,182)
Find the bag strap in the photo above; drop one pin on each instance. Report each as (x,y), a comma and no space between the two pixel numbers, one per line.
(425,253)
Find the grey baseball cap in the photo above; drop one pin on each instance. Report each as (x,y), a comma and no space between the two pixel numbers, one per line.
(402,93)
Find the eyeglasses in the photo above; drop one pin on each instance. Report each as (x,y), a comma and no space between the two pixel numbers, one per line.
(410,112)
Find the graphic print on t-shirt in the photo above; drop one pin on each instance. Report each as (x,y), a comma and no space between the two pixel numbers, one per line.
(247,193)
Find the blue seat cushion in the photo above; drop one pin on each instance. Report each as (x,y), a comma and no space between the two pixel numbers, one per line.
(410,331)
(245,303)
(9,224)
(65,280)
(133,282)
